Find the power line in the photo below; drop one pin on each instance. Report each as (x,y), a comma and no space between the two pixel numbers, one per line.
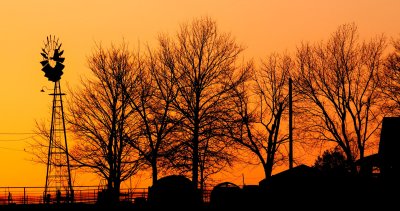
(16,140)
(16,133)
(13,149)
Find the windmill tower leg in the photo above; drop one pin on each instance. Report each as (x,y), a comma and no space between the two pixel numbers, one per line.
(58,185)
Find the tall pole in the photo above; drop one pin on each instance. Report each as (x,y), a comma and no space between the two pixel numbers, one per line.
(290,125)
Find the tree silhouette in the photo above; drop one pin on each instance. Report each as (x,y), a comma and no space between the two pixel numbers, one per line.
(390,83)
(204,70)
(332,162)
(260,108)
(100,119)
(151,97)
(337,83)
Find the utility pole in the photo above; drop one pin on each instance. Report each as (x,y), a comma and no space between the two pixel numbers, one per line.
(290,125)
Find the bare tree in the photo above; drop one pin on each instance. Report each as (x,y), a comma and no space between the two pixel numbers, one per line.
(261,107)
(101,118)
(338,82)
(205,71)
(40,146)
(390,80)
(151,97)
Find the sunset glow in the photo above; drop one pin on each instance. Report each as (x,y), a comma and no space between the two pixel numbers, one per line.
(261,26)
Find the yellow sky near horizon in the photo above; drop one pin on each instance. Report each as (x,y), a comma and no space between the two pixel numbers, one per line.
(262,26)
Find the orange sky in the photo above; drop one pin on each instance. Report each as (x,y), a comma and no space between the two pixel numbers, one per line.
(262,26)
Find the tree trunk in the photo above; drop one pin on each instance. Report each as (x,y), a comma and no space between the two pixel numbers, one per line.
(154,171)
(268,169)
(202,182)
(116,192)
(195,160)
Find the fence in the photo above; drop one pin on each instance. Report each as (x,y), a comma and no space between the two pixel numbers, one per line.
(82,194)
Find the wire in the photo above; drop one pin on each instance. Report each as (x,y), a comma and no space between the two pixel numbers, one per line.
(18,133)
(15,140)
(6,148)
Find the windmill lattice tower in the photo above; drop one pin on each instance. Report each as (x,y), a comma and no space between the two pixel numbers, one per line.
(58,185)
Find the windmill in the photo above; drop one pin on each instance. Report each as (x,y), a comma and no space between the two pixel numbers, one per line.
(58,174)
